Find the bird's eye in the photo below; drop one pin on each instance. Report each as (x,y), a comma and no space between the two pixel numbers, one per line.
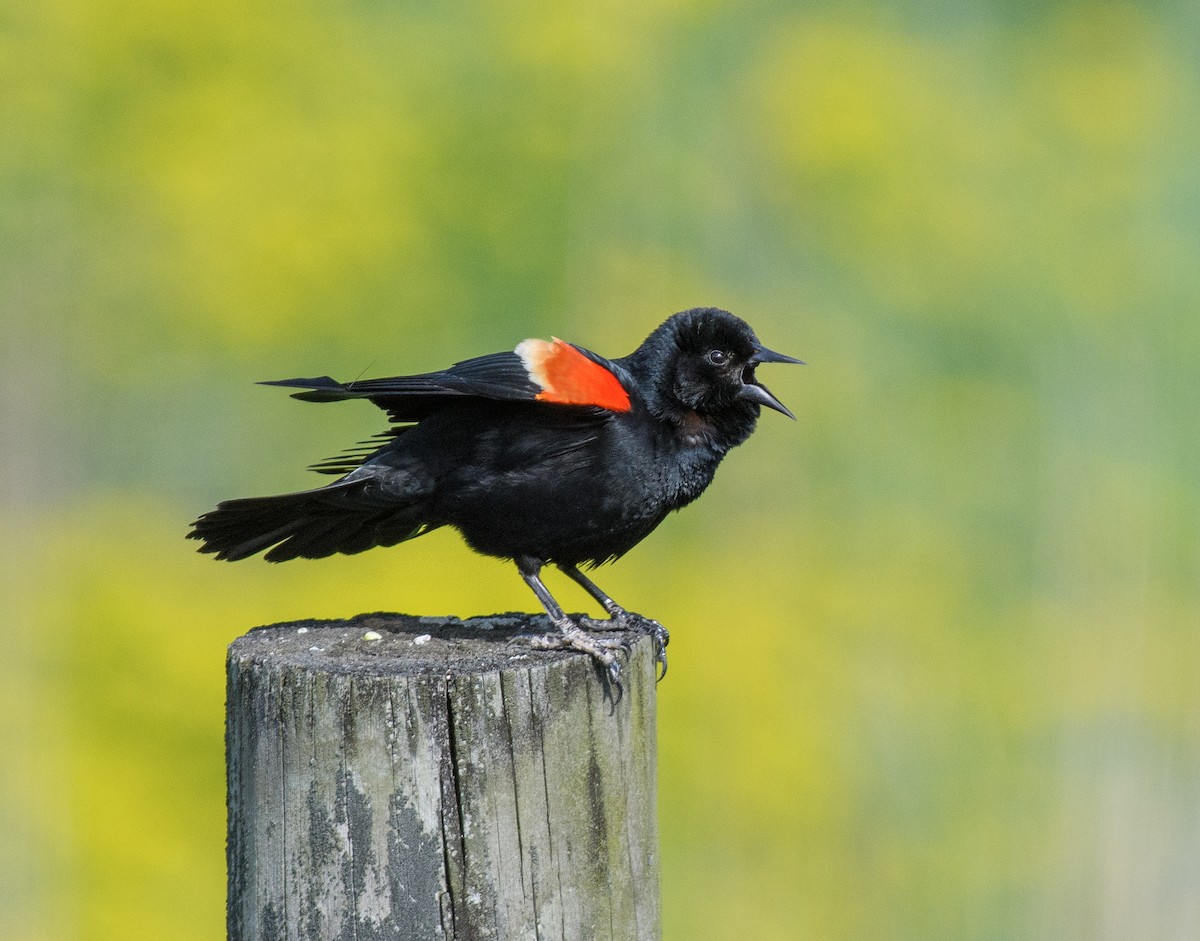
(717,357)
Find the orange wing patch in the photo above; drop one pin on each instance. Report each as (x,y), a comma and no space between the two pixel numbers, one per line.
(570,378)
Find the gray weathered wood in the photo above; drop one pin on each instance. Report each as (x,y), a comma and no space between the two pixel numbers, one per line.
(459,786)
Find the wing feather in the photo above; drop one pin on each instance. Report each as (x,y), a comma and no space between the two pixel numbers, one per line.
(535,371)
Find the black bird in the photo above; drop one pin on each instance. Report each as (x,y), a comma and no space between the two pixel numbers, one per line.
(548,454)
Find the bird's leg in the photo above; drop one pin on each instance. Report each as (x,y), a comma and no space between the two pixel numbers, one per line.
(621,619)
(570,636)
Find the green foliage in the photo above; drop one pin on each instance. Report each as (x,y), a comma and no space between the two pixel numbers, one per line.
(935,654)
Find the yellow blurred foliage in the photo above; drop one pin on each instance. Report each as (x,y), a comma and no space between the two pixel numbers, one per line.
(934,658)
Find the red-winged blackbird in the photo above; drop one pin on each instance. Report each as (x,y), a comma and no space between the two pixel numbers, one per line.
(547,454)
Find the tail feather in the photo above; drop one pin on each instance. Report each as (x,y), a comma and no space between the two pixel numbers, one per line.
(321,537)
(311,524)
(317,389)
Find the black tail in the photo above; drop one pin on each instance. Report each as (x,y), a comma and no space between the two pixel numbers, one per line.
(318,389)
(309,525)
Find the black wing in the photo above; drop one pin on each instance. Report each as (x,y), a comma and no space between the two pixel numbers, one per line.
(555,373)
(499,376)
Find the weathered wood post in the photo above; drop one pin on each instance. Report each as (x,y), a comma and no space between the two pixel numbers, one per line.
(438,782)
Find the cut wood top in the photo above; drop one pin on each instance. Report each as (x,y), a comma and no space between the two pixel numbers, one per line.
(407,645)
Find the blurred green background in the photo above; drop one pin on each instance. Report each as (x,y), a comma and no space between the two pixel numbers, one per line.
(936,659)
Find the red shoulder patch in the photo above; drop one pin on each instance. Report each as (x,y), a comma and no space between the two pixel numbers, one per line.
(567,377)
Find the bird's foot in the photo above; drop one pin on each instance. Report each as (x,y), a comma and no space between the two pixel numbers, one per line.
(622,620)
(604,650)
(659,635)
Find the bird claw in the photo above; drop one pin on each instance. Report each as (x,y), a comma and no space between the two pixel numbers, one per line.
(614,677)
(579,634)
(629,621)
(661,638)
(603,650)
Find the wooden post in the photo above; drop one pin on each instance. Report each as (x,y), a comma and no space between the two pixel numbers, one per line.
(393,777)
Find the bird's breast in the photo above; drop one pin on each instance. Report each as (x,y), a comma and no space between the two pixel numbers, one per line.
(693,430)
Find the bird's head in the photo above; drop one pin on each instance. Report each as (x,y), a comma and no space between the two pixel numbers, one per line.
(701,364)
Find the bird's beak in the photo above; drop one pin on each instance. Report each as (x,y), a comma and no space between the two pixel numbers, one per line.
(754,391)
(763,355)
(761,395)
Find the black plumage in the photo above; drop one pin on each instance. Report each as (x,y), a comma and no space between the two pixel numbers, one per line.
(549,454)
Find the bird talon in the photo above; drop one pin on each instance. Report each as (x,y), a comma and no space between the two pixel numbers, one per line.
(614,677)
(661,639)
(604,651)
(629,622)
(636,622)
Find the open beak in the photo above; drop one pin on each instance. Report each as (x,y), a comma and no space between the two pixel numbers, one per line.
(755,391)
(759,394)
